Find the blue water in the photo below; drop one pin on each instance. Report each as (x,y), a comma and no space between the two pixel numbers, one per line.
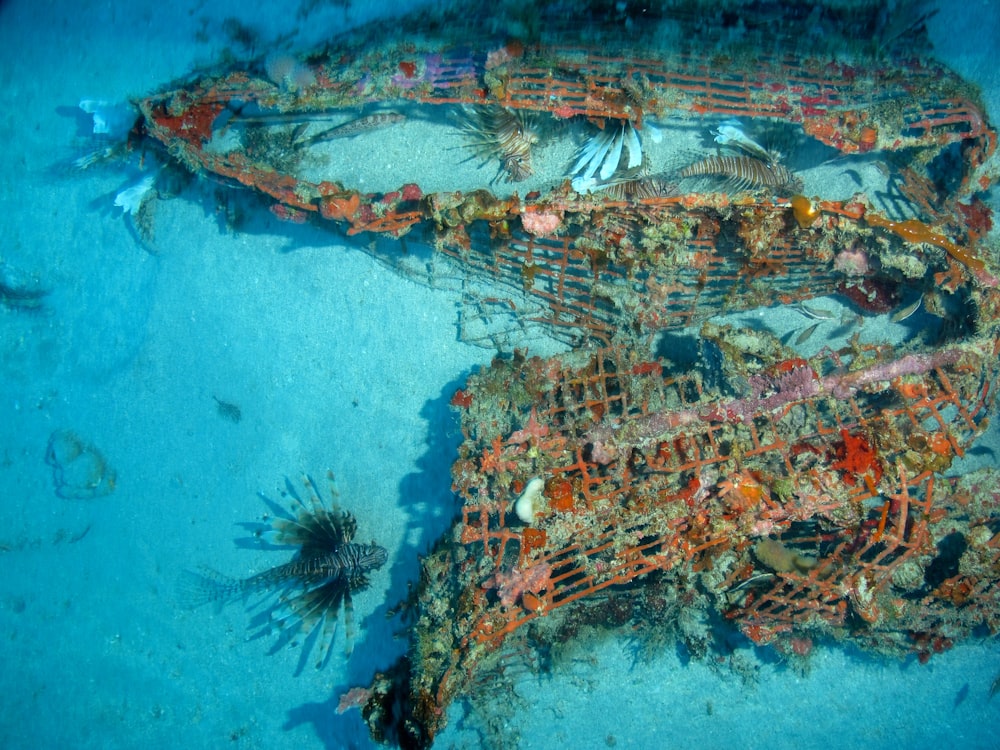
(336,363)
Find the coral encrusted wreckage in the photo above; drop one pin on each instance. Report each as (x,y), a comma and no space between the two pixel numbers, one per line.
(674,458)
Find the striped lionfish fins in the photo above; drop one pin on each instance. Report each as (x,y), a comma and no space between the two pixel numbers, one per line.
(312,588)
(612,155)
(742,172)
(749,166)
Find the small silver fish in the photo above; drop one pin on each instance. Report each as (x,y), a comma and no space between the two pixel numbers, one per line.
(807,334)
(904,312)
(354,127)
(817,313)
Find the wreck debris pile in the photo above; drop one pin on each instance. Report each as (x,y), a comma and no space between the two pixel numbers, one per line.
(796,497)
(809,508)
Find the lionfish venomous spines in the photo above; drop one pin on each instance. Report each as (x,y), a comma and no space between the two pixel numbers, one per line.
(328,567)
(611,156)
(503,134)
(745,173)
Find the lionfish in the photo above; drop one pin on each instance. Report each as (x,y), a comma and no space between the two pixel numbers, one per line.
(752,167)
(614,155)
(504,134)
(322,576)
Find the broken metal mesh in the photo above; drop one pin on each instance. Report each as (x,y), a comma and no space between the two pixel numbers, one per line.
(649,473)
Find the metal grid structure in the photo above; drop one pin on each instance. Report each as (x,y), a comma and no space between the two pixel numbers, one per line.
(666,259)
(649,476)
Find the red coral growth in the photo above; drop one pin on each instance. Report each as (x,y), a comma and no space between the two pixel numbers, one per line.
(926,644)
(871,295)
(857,459)
(412,192)
(286,213)
(193,124)
(978,218)
(461,399)
(532,539)
(339,207)
(493,459)
(560,495)
(510,586)
(648,368)
(761,633)
(356,697)
(788,365)
(531,430)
